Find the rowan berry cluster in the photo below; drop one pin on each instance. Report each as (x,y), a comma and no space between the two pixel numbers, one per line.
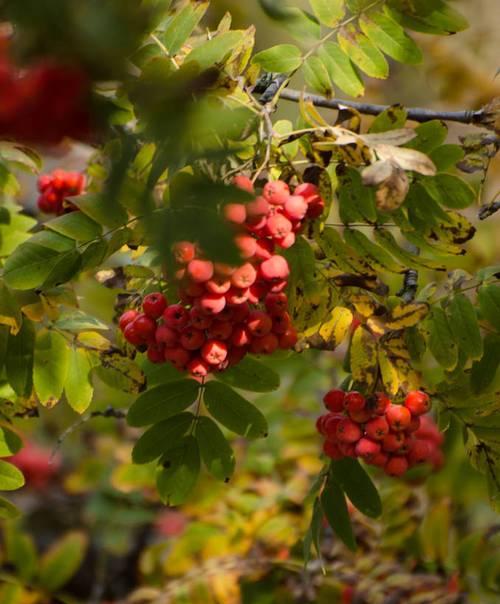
(393,437)
(43,103)
(226,311)
(55,187)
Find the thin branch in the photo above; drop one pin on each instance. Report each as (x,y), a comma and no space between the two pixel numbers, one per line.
(108,412)
(417,114)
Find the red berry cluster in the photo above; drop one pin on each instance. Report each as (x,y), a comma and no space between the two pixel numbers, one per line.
(225,311)
(55,187)
(44,103)
(393,437)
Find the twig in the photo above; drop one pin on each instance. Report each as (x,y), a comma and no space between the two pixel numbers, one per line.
(488,209)
(108,412)
(417,114)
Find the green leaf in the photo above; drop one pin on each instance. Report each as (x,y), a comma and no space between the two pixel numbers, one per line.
(328,12)
(215,50)
(64,268)
(163,401)
(430,135)
(20,551)
(160,438)
(334,506)
(62,560)
(489,303)
(216,452)
(356,202)
(483,371)
(312,536)
(441,340)
(233,411)
(75,225)
(445,157)
(390,37)
(101,210)
(374,253)
(178,471)
(51,366)
(10,477)
(78,321)
(29,266)
(10,313)
(449,190)
(392,118)
(465,326)
(317,77)
(20,156)
(280,59)
(386,239)
(10,443)
(78,385)
(8,511)
(182,25)
(363,53)
(119,372)
(357,485)
(19,359)
(340,69)
(302,264)
(250,374)
(440,20)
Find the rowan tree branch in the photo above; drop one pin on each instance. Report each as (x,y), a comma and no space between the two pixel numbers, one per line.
(417,114)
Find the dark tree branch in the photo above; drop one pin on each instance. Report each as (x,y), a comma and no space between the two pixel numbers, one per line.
(410,280)
(488,209)
(416,114)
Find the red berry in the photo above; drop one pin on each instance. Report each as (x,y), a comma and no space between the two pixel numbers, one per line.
(278,286)
(398,417)
(334,400)
(264,249)
(145,326)
(281,323)
(259,323)
(184,252)
(306,190)
(420,452)
(199,319)
(393,442)
(246,244)
(257,291)
(429,431)
(239,312)
(354,401)
(167,336)
(200,271)
(377,428)
(211,304)
(288,339)
(361,417)
(236,296)
(295,207)
(330,424)
(414,424)
(316,207)
(244,276)
(257,208)
(278,226)
(192,338)
(198,368)
(417,402)
(240,336)
(275,269)
(156,354)
(214,352)
(175,316)
(265,345)
(220,330)
(276,192)
(235,212)
(127,317)
(276,304)
(378,403)
(154,304)
(179,357)
(348,431)
(367,449)
(286,241)
(132,334)
(331,449)
(243,182)
(320,422)
(379,460)
(396,466)
(218,285)
(235,355)
(194,290)
(347,449)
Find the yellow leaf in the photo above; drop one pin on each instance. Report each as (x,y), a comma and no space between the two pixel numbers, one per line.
(376,326)
(94,340)
(388,372)
(363,303)
(364,362)
(337,327)
(406,315)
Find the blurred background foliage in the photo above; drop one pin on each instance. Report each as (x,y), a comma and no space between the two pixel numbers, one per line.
(93,529)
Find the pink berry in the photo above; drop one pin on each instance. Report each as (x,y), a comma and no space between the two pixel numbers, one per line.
(235,212)
(276,192)
(184,252)
(367,449)
(214,352)
(295,207)
(200,271)
(275,269)
(244,276)
(377,428)
(354,401)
